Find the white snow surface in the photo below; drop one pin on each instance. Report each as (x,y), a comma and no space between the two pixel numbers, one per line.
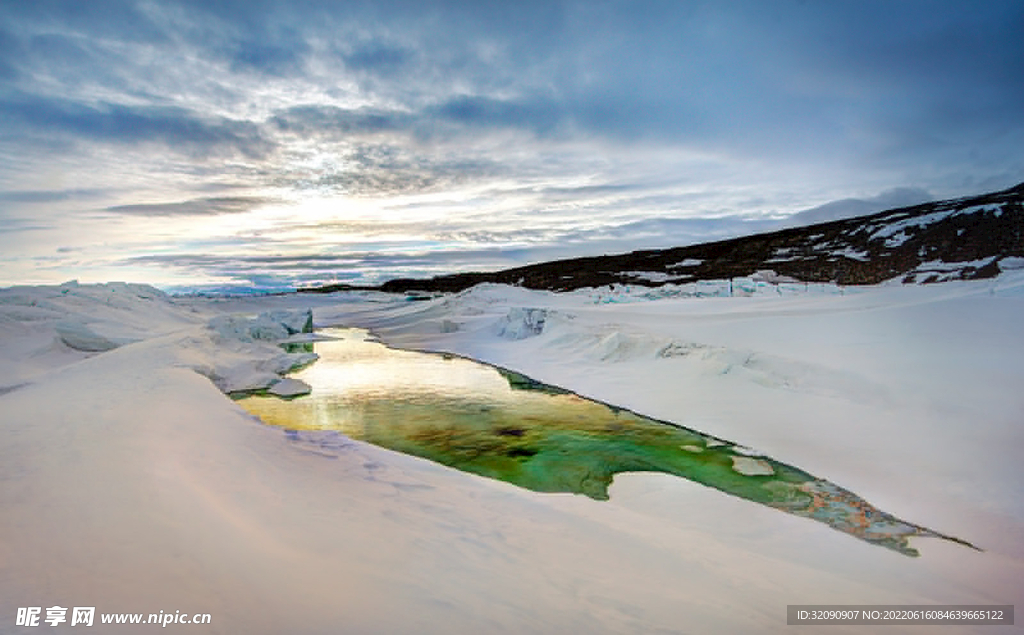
(852,254)
(129,482)
(689,262)
(891,230)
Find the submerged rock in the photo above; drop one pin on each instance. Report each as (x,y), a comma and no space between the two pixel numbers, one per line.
(749,466)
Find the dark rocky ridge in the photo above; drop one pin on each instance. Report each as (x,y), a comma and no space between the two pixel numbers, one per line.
(963,238)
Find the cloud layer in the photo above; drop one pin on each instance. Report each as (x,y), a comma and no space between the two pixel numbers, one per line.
(526,125)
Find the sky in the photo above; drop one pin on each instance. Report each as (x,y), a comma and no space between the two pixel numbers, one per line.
(263,144)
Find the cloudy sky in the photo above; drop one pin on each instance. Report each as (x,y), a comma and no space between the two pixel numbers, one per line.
(265,143)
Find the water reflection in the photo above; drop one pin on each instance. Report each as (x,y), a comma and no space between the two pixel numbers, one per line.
(502,425)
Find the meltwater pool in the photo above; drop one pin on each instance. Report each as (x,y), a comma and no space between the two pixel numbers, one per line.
(503,425)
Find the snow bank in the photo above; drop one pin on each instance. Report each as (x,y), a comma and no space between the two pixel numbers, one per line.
(902,394)
(251,357)
(178,500)
(81,338)
(520,323)
(271,326)
(45,327)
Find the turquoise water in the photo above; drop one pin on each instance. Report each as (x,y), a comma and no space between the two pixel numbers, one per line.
(502,425)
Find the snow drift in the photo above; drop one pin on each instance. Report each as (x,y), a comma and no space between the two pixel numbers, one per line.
(130,482)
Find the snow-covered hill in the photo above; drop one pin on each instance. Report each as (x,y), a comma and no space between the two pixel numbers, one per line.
(966,238)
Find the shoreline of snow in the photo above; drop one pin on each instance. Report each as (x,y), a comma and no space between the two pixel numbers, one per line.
(178,500)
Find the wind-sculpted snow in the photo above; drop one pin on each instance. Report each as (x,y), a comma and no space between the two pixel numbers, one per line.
(81,338)
(52,326)
(271,326)
(257,343)
(131,482)
(520,323)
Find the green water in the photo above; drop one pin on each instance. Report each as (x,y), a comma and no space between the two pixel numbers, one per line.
(506,426)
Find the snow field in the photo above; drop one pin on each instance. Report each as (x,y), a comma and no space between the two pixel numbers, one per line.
(130,482)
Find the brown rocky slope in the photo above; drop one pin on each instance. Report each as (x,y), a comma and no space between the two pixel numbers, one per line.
(963,238)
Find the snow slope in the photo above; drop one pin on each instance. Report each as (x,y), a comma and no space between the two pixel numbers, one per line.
(130,483)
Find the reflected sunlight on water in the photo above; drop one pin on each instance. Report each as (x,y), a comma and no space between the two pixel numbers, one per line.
(502,425)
